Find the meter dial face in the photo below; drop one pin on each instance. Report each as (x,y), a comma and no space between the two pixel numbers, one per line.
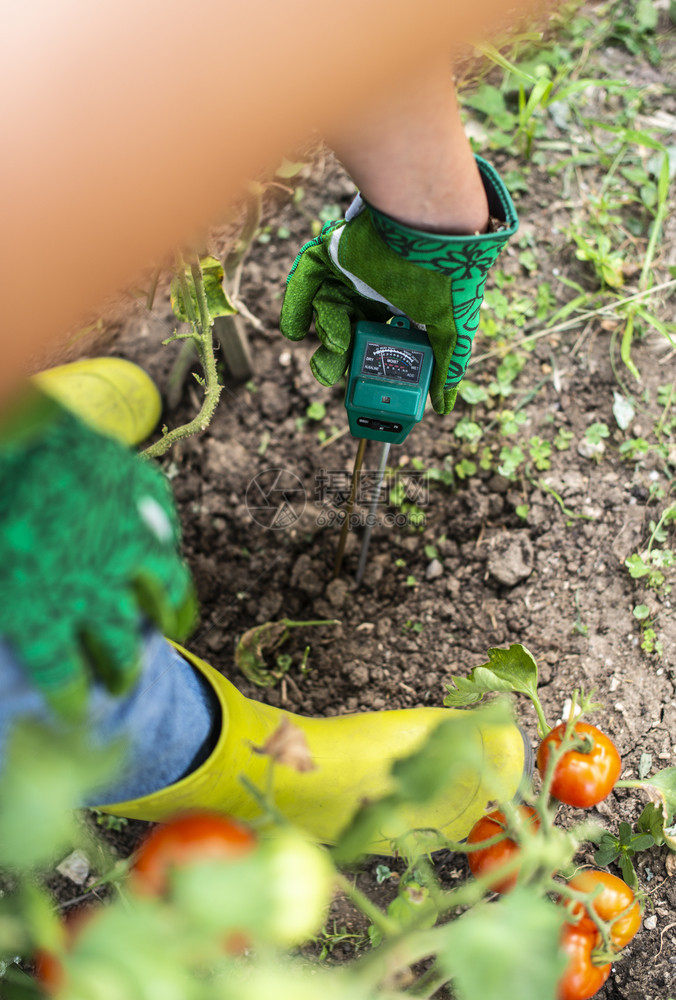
(400,364)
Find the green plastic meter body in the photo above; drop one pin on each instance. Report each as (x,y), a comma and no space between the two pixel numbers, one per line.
(388,381)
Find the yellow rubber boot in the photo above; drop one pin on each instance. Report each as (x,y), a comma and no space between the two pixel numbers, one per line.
(353,755)
(112,395)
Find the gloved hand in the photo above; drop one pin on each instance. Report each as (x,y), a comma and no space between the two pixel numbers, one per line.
(88,549)
(369,266)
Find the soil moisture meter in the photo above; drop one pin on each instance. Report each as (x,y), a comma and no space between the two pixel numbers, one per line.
(389,378)
(387,387)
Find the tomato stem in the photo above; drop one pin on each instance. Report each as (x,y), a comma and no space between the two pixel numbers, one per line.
(543,725)
(465,848)
(201,323)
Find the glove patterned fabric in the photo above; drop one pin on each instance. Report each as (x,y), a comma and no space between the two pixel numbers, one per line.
(88,551)
(369,266)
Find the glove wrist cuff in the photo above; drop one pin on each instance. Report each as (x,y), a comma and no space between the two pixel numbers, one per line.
(437,252)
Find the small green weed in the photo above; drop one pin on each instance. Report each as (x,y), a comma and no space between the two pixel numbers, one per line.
(622,849)
(329,939)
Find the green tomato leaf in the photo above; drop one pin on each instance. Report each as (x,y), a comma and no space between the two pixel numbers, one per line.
(664,782)
(512,669)
(483,949)
(651,821)
(217,300)
(452,755)
(449,752)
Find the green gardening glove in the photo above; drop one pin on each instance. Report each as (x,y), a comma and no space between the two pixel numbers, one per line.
(88,552)
(369,266)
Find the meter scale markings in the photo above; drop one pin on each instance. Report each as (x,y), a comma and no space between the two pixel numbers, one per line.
(388,379)
(393,363)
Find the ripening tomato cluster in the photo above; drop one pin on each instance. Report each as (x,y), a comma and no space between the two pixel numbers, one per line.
(582,777)
(188,838)
(296,875)
(614,902)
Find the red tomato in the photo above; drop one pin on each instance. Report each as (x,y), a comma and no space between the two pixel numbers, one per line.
(198,836)
(482,862)
(582,979)
(581,779)
(614,898)
(49,971)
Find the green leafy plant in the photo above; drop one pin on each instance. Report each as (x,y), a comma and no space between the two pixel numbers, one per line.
(597,432)
(653,562)
(621,850)
(539,452)
(316,411)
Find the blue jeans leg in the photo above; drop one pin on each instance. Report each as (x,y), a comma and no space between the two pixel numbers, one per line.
(167,724)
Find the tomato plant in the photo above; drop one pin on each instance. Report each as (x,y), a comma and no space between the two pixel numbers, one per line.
(484,861)
(197,836)
(615,898)
(582,979)
(582,777)
(204,888)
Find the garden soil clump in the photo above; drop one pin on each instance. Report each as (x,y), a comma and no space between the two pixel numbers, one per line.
(460,560)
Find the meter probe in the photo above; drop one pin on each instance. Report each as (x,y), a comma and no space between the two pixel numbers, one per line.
(387,385)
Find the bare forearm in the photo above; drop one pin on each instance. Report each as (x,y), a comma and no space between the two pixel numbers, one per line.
(411,159)
(129,126)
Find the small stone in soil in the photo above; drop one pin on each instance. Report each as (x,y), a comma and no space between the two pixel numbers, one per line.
(510,558)
(434,570)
